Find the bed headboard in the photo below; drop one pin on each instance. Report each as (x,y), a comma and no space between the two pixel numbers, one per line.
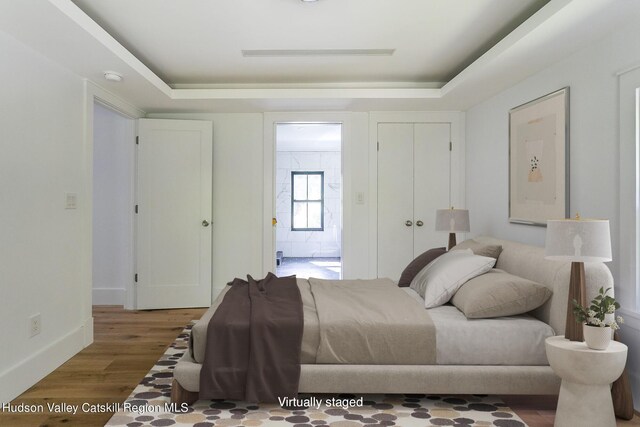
(528,261)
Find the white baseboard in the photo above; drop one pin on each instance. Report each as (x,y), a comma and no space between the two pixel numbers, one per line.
(17,379)
(108,296)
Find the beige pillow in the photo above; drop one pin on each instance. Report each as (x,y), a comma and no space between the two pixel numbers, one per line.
(498,293)
(478,248)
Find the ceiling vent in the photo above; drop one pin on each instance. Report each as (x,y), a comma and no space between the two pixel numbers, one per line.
(274,53)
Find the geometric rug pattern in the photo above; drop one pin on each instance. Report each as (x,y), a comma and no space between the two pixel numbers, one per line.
(149,405)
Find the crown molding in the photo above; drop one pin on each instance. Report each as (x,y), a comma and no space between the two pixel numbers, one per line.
(351,90)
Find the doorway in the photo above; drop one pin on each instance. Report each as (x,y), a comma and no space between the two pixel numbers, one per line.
(113,195)
(308,200)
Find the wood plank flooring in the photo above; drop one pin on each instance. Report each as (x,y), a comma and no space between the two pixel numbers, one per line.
(128,343)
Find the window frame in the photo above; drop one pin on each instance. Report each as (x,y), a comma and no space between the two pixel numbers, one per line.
(627,288)
(307,201)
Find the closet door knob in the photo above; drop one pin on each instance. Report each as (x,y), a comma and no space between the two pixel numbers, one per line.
(205,223)
(408,223)
(419,223)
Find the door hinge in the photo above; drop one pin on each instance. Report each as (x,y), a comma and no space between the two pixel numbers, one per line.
(378,145)
(137,140)
(136,208)
(135,277)
(450,146)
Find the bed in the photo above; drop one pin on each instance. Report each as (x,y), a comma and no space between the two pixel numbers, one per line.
(502,355)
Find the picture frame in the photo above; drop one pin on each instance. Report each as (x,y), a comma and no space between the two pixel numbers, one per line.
(539,159)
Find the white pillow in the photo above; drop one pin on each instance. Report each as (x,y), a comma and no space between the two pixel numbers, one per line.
(419,282)
(442,277)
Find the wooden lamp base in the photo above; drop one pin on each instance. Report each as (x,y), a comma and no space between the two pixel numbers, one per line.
(452,241)
(577,291)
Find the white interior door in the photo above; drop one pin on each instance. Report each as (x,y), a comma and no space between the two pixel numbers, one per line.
(431,186)
(174,194)
(395,198)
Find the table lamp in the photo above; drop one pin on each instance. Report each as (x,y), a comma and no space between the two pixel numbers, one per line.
(454,221)
(577,240)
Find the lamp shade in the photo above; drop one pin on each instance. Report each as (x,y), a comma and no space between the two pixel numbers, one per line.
(578,240)
(452,220)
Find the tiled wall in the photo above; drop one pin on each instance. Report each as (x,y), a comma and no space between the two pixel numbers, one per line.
(309,243)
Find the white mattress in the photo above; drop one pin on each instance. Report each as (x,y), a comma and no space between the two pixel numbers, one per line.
(513,340)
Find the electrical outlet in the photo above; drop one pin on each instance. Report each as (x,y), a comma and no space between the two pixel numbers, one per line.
(35,325)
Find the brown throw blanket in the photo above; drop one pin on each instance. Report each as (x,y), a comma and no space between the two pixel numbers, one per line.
(253,342)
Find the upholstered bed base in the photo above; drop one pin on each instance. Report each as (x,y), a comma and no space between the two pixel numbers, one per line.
(363,379)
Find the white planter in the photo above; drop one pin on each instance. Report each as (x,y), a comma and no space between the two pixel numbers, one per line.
(596,337)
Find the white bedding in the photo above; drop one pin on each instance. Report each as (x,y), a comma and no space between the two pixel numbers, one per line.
(513,340)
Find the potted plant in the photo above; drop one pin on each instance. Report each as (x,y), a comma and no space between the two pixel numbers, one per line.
(598,319)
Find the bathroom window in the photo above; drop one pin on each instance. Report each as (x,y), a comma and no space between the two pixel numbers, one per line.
(307,201)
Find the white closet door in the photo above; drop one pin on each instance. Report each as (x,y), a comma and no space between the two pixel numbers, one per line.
(174,213)
(432,170)
(395,198)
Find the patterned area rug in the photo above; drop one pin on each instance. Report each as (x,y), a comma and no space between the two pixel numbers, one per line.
(148,405)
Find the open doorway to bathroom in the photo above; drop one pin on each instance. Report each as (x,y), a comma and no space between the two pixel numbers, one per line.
(309,200)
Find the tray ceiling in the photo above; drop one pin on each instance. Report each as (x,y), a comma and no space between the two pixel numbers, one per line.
(199,42)
(186,55)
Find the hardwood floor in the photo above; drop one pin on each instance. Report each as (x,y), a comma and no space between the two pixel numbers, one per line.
(128,343)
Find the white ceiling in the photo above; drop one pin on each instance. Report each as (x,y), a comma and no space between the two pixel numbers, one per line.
(200,41)
(64,33)
(308,137)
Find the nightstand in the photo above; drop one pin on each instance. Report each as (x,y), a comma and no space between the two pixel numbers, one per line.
(585,393)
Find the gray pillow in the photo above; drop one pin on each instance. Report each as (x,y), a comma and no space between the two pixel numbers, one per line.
(498,293)
(418,264)
(481,249)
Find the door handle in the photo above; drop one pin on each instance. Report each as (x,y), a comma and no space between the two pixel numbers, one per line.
(408,223)
(419,223)
(205,223)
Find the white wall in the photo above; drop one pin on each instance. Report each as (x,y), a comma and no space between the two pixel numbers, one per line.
(238,181)
(355,255)
(594,154)
(238,185)
(41,158)
(113,171)
(324,243)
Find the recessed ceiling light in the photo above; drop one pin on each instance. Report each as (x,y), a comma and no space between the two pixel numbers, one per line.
(112,76)
(309,1)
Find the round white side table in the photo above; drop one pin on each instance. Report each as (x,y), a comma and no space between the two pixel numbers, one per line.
(585,392)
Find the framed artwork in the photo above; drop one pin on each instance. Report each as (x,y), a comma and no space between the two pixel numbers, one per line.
(539,159)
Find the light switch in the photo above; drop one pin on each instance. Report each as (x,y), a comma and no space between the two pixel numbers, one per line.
(71,201)
(360,197)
